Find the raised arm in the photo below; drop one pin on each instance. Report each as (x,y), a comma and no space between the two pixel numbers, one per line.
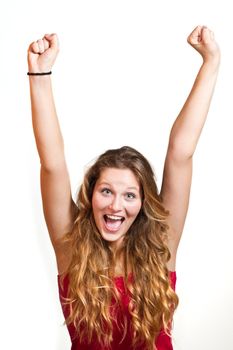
(59,208)
(184,136)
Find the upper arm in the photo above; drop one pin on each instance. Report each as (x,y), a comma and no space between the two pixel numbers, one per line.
(174,194)
(58,206)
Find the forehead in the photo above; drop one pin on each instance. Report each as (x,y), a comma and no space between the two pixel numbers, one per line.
(115,176)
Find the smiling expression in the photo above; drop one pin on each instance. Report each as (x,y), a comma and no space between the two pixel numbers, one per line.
(116,202)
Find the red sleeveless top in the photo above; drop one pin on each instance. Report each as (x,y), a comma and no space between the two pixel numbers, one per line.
(163,341)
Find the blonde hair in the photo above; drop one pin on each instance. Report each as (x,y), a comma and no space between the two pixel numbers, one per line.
(91,270)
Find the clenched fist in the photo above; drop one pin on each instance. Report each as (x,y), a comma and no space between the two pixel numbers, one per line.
(202,39)
(42,54)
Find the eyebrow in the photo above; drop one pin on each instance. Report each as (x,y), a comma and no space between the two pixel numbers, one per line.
(128,188)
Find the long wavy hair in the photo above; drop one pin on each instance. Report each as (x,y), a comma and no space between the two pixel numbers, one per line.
(91,270)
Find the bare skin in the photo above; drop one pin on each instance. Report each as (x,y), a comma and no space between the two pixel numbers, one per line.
(59,207)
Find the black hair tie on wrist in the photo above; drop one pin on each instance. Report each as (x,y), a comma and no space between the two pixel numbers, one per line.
(44,73)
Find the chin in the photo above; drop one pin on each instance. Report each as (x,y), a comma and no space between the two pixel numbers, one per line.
(112,237)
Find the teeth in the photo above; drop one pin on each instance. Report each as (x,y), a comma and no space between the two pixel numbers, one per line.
(114,217)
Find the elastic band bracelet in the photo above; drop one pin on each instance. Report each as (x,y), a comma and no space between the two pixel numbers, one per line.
(44,73)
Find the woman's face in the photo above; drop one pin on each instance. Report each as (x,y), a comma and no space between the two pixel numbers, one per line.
(116,202)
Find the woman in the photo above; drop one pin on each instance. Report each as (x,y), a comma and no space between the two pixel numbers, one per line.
(116,247)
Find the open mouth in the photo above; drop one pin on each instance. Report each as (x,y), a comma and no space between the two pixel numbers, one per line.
(113,222)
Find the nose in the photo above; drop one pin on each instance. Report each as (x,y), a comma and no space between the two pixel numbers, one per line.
(116,204)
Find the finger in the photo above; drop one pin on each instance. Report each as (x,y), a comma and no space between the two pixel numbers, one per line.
(195,36)
(46,44)
(53,40)
(196,31)
(212,35)
(207,35)
(40,45)
(34,48)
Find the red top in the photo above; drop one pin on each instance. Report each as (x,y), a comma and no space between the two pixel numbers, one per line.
(163,341)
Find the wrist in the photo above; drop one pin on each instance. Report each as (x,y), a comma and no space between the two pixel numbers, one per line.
(42,81)
(38,68)
(212,63)
(213,59)
(39,73)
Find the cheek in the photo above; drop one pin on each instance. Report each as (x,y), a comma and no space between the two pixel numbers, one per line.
(95,204)
(95,209)
(98,202)
(93,201)
(134,209)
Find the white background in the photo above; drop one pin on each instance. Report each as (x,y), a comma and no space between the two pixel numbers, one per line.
(122,75)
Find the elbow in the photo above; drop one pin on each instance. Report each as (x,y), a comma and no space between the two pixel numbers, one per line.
(53,167)
(181,150)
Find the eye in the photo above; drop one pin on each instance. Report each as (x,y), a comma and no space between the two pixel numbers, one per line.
(106,191)
(130,195)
